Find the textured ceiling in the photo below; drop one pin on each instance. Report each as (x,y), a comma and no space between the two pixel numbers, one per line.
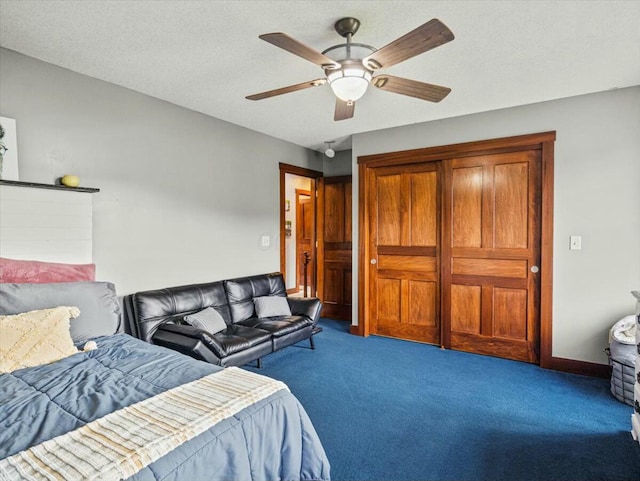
(206,55)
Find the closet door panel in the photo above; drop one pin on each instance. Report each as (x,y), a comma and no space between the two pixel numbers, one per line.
(404,232)
(510,313)
(511,202)
(390,210)
(466,311)
(389,295)
(424,213)
(492,306)
(422,302)
(466,193)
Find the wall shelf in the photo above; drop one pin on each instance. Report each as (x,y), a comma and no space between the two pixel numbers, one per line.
(17,183)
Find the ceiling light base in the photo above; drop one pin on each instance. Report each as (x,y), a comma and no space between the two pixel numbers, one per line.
(329,152)
(347,26)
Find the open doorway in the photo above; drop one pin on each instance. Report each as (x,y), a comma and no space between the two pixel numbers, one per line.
(303,248)
(298,229)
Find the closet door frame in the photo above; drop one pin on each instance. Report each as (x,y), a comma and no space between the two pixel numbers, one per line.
(544,142)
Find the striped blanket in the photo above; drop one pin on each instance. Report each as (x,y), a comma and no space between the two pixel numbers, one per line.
(121,443)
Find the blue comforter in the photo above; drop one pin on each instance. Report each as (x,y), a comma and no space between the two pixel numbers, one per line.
(271,440)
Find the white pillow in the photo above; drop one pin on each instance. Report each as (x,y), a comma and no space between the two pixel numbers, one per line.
(271,306)
(208,320)
(36,337)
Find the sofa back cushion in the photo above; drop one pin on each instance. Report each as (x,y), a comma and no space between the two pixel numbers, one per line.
(153,308)
(242,291)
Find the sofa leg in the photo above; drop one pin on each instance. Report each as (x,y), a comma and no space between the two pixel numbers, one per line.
(259,363)
(312,342)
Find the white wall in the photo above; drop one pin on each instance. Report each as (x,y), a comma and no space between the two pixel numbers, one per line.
(184,197)
(597,196)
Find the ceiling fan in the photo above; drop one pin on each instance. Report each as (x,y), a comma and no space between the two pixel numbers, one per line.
(349,67)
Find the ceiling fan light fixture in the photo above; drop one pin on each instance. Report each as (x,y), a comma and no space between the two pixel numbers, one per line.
(349,67)
(349,83)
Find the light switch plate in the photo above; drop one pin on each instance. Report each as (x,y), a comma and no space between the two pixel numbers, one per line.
(265,241)
(575,243)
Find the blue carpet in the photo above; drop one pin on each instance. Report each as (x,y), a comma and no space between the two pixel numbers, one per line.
(387,409)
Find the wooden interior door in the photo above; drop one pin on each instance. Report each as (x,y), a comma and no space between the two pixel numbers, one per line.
(404,238)
(334,246)
(304,237)
(491,243)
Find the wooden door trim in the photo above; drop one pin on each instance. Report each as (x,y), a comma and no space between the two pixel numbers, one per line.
(546,257)
(337,179)
(303,172)
(319,265)
(466,149)
(362,328)
(540,141)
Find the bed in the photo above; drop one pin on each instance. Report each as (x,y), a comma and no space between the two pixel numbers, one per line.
(271,438)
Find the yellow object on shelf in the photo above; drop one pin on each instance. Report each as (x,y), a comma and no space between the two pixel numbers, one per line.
(70,180)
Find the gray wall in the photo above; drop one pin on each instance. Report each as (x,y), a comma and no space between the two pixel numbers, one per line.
(339,165)
(184,197)
(597,196)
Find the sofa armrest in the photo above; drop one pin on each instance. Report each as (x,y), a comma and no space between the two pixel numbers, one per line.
(189,340)
(305,306)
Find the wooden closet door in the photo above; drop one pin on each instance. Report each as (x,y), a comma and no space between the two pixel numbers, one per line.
(404,238)
(334,246)
(491,244)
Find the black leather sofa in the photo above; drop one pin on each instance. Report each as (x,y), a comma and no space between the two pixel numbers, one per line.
(158,317)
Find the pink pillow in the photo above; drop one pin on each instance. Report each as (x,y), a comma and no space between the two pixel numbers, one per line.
(36,272)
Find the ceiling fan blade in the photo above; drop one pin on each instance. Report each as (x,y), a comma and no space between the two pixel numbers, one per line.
(286,90)
(412,88)
(289,44)
(426,37)
(344,110)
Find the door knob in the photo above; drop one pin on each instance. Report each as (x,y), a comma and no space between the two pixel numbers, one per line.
(534,269)
(374,261)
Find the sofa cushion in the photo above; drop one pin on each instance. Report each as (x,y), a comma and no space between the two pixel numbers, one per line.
(207,319)
(270,306)
(236,338)
(279,325)
(241,292)
(154,308)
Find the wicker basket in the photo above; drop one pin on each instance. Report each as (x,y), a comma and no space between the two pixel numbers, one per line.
(623,378)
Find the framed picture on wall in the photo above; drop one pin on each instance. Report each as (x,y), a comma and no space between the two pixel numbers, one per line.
(8,149)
